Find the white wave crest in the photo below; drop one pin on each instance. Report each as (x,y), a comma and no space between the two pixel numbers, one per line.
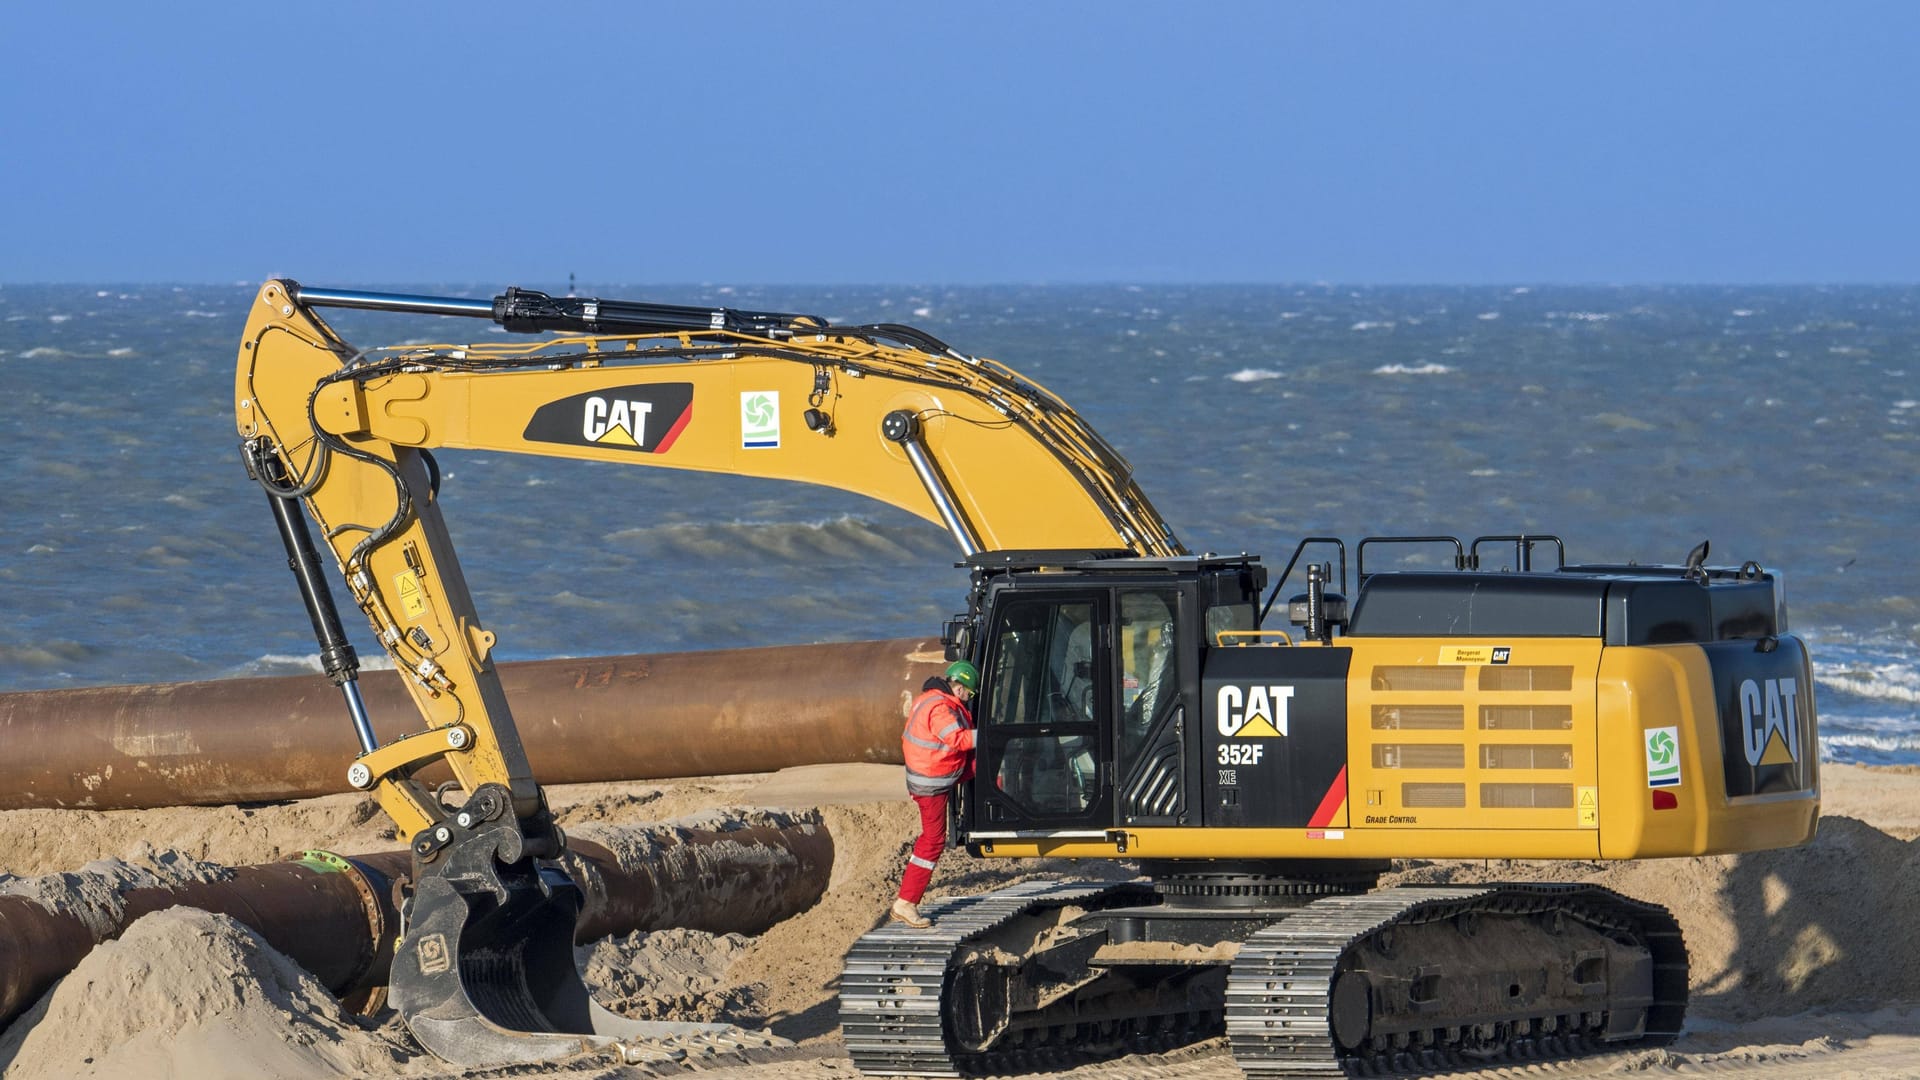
(1428,368)
(1254,374)
(1886,744)
(1878,682)
(842,538)
(301,664)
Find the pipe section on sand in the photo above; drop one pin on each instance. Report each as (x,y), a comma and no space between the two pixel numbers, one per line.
(740,872)
(642,717)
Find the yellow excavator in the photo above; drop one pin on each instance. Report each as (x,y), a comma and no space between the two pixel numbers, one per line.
(1136,704)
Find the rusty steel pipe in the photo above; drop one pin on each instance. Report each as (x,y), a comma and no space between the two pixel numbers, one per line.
(641,717)
(335,916)
(333,920)
(738,879)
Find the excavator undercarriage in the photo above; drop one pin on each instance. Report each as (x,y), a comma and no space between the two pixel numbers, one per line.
(1302,983)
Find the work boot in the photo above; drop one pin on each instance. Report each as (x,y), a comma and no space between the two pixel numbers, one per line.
(909,914)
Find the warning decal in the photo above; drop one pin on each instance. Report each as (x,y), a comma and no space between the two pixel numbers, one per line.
(406,586)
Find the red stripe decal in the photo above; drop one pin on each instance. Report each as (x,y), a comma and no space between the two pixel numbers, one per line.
(673,432)
(1336,796)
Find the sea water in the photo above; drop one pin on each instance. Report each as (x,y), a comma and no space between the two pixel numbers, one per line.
(1783,424)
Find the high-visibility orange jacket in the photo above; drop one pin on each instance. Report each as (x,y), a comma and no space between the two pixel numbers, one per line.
(937,743)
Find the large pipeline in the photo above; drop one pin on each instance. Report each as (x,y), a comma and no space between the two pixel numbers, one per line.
(640,717)
(335,916)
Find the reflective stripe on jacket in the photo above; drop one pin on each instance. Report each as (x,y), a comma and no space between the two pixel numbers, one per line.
(937,743)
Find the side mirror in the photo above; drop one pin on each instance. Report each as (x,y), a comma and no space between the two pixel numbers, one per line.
(957,636)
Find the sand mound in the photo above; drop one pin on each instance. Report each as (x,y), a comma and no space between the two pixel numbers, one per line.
(669,975)
(47,841)
(184,993)
(92,893)
(1827,925)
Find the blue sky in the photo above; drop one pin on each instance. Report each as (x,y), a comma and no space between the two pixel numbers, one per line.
(961,143)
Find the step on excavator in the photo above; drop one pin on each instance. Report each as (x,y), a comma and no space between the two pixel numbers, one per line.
(1138,702)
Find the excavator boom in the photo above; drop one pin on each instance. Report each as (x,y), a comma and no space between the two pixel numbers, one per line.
(346,434)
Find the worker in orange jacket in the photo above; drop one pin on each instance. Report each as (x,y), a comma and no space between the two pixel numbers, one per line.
(938,746)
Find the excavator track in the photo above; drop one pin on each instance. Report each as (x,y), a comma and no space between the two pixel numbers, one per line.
(894,991)
(1311,997)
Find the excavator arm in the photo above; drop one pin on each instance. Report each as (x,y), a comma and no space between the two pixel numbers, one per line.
(885,411)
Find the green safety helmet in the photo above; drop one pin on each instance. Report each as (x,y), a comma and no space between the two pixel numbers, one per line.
(961,673)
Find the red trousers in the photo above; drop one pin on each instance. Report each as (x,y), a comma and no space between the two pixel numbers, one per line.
(927,849)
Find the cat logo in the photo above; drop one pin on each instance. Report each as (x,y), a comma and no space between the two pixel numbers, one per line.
(618,421)
(1254,712)
(645,418)
(1769,721)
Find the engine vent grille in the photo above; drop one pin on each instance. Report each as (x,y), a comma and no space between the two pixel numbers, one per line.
(1541,677)
(1419,717)
(1419,755)
(1522,756)
(1419,677)
(1526,717)
(1536,796)
(1433,796)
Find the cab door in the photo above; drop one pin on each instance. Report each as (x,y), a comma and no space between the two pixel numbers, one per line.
(1044,758)
(1157,665)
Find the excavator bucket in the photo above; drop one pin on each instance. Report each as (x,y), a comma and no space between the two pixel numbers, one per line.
(484,973)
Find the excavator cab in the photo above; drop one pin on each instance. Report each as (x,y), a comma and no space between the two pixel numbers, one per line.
(1092,674)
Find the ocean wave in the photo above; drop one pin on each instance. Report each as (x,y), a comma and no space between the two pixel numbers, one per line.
(1888,744)
(304,664)
(1371,324)
(1878,682)
(50,653)
(1428,368)
(842,538)
(43,352)
(1255,374)
(195,313)
(1621,421)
